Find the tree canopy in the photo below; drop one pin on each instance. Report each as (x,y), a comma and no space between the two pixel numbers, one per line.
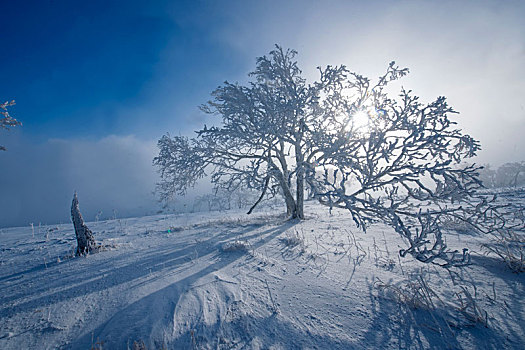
(345,141)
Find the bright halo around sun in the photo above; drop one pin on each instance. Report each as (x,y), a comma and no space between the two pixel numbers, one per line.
(360,120)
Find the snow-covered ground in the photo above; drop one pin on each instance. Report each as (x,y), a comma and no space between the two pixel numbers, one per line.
(226,280)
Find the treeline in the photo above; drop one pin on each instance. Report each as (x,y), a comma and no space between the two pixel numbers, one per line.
(223,199)
(507,175)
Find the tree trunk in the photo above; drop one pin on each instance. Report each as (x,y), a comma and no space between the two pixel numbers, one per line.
(299,203)
(299,160)
(288,196)
(85,239)
(290,207)
(285,182)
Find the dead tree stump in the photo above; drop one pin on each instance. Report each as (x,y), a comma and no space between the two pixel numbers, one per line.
(85,238)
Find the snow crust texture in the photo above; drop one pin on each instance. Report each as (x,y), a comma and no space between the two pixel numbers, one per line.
(176,282)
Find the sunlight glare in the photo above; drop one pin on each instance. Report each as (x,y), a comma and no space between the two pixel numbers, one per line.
(360,119)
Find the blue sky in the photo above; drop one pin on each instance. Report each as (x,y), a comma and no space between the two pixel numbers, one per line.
(83,69)
(98,82)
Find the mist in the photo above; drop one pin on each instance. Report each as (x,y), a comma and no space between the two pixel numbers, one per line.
(113,175)
(469,51)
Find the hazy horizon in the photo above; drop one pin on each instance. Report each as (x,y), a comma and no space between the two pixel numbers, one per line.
(96,84)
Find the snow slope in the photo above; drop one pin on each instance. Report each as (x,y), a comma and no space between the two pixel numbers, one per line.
(226,280)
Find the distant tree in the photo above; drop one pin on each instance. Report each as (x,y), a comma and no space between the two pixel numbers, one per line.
(506,175)
(6,121)
(487,176)
(382,158)
(225,200)
(211,202)
(510,175)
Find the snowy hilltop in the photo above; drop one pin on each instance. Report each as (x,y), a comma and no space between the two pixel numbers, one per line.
(225,280)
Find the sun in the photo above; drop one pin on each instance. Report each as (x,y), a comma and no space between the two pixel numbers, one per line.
(360,120)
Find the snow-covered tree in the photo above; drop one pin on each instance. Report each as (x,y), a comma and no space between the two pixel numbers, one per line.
(399,161)
(6,121)
(260,143)
(507,175)
(511,175)
(394,160)
(383,158)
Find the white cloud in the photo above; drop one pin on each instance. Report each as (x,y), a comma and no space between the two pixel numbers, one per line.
(113,173)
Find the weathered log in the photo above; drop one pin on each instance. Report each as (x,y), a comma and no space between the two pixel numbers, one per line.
(85,238)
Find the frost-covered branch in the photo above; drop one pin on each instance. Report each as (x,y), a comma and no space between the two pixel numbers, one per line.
(347,142)
(6,121)
(259,143)
(402,166)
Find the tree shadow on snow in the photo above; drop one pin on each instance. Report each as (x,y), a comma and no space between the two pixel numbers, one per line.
(141,318)
(510,312)
(397,325)
(251,332)
(79,277)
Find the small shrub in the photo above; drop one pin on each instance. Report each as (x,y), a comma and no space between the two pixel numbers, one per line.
(509,245)
(386,263)
(416,293)
(292,239)
(469,307)
(236,246)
